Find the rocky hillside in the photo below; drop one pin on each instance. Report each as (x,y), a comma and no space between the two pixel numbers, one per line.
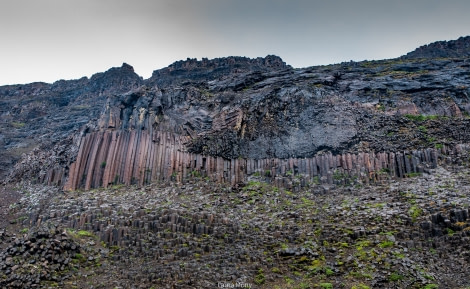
(237,108)
(408,233)
(241,170)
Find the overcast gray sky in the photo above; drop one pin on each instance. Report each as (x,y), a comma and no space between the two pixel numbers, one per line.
(48,40)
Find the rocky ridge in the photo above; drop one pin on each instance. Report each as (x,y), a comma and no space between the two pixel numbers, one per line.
(453,48)
(379,106)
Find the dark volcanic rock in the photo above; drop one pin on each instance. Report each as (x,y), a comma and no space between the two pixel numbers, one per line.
(232,108)
(41,256)
(247,172)
(400,234)
(40,114)
(445,49)
(192,70)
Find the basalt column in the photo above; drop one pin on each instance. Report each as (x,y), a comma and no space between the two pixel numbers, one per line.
(140,157)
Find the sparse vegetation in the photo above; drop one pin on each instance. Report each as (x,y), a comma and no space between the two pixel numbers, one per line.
(260,278)
(421,117)
(412,175)
(415,212)
(394,277)
(83,233)
(431,286)
(17,124)
(386,244)
(195,174)
(326,285)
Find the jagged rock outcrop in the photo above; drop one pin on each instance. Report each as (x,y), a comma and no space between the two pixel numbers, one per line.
(220,127)
(192,70)
(43,115)
(240,110)
(447,49)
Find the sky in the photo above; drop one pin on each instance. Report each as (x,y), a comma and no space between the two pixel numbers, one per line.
(48,40)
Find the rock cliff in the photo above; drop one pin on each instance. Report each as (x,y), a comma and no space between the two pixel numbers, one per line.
(217,117)
(241,172)
(41,116)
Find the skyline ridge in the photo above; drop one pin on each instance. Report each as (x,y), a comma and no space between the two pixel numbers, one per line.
(421,50)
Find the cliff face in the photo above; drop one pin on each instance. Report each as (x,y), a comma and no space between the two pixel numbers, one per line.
(246,171)
(44,118)
(233,117)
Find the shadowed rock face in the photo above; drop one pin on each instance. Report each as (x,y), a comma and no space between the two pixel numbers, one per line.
(237,108)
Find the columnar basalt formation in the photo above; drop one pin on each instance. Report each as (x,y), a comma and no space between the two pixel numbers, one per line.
(228,118)
(242,229)
(140,157)
(245,170)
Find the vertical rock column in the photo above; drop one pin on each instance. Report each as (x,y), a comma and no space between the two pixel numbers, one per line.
(140,157)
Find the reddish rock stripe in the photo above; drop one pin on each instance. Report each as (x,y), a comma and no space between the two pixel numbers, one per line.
(138,157)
